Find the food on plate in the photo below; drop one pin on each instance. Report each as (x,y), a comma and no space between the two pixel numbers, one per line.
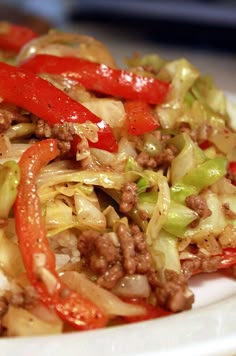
(118,185)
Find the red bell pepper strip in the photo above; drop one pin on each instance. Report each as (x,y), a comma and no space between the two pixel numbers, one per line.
(71,307)
(14,37)
(152,312)
(40,97)
(101,78)
(228,258)
(140,118)
(205,144)
(232,171)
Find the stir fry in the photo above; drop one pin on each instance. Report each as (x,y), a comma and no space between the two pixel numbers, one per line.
(117,185)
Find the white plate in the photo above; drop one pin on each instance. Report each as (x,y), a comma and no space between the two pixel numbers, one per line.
(209,329)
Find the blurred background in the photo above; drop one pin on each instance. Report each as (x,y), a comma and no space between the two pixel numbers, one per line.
(203,31)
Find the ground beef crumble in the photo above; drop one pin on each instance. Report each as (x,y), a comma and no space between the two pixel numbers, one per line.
(173,294)
(129,197)
(199,205)
(136,258)
(163,159)
(200,263)
(63,133)
(10,114)
(110,262)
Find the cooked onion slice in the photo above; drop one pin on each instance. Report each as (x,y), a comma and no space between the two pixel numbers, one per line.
(135,286)
(110,304)
(67,44)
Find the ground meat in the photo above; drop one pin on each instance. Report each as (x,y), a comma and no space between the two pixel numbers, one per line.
(99,250)
(163,159)
(10,114)
(136,257)
(199,205)
(144,160)
(27,297)
(43,129)
(129,197)
(184,127)
(127,247)
(101,256)
(143,215)
(228,212)
(200,264)
(210,264)
(227,237)
(110,262)
(166,157)
(63,133)
(109,279)
(173,294)
(191,265)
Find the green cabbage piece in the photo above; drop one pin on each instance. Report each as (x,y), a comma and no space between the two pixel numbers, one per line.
(165,252)
(183,76)
(177,218)
(204,175)
(214,224)
(189,157)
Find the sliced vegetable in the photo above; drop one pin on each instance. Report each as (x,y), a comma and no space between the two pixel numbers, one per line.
(204,175)
(101,78)
(29,324)
(9,180)
(38,259)
(14,37)
(38,96)
(109,303)
(190,155)
(140,117)
(228,258)
(63,44)
(152,312)
(232,171)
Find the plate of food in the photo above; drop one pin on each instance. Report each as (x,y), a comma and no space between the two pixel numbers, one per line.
(117,203)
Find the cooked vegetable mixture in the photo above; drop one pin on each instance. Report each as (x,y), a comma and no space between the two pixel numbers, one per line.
(116,185)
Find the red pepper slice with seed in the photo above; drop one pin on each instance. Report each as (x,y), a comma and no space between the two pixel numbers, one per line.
(38,259)
(49,103)
(101,78)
